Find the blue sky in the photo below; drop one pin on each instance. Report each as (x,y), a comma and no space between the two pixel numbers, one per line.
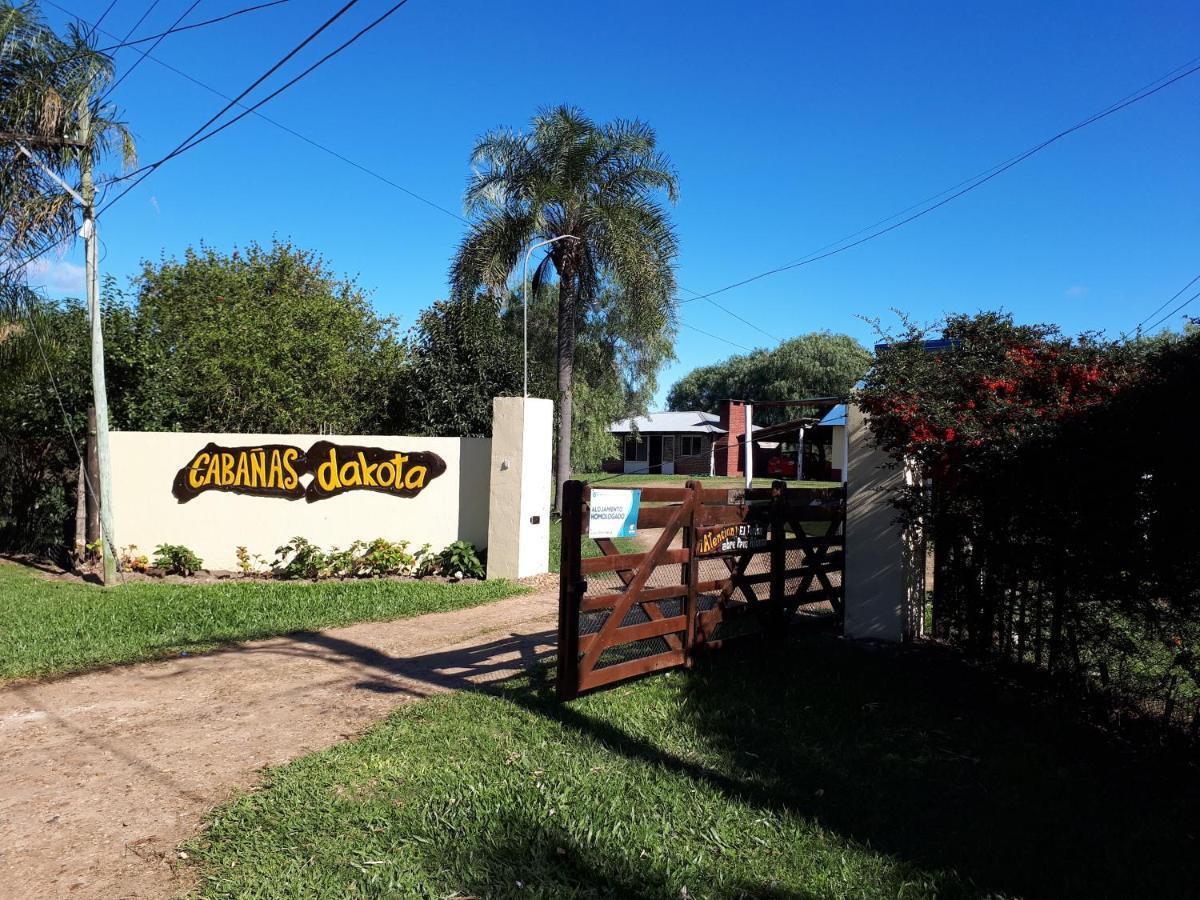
(791,125)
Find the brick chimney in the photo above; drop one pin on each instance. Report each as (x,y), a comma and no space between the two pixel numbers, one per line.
(729,450)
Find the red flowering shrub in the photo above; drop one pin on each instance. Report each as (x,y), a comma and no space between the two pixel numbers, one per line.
(998,386)
(1062,499)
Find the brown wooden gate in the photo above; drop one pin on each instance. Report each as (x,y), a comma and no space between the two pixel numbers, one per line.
(721,564)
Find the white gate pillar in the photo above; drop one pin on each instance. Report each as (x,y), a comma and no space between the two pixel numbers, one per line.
(519,490)
(884,570)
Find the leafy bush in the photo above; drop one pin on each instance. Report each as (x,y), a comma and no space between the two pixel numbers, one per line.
(459,560)
(177,559)
(343,563)
(300,558)
(382,557)
(307,560)
(1061,499)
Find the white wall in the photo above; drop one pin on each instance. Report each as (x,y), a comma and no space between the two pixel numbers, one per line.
(451,507)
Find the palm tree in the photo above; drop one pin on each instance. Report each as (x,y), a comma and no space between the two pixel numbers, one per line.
(51,101)
(601,186)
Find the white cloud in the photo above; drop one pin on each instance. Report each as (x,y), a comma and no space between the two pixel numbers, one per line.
(56,276)
(154,203)
(1076,291)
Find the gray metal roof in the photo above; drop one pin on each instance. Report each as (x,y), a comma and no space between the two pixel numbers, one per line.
(675,422)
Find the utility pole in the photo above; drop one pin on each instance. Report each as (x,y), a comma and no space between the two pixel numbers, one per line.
(86,198)
(99,387)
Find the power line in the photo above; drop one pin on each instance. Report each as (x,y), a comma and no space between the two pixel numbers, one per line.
(730,312)
(192,141)
(162,34)
(129,33)
(1177,309)
(188,145)
(296,134)
(715,337)
(126,42)
(960,190)
(1169,300)
(184,146)
(112,87)
(103,16)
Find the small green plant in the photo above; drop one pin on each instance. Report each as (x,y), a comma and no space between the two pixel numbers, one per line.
(425,562)
(459,560)
(94,549)
(306,559)
(383,557)
(177,559)
(132,561)
(344,563)
(245,564)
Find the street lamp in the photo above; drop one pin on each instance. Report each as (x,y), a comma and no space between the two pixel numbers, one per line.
(525,298)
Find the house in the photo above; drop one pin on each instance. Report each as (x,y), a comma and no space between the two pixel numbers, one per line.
(671,443)
(703,443)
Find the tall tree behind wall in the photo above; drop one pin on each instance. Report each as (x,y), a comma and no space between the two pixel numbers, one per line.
(818,364)
(261,339)
(462,353)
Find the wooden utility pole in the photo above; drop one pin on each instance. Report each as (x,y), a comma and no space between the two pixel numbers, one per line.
(108,541)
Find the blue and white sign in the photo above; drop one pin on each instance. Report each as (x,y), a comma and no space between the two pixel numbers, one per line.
(614,513)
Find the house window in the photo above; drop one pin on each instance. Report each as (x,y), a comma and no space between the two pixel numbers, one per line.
(635,450)
(691,445)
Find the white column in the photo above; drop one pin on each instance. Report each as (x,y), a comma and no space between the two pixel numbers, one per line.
(882,589)
(519,491)
(748,454)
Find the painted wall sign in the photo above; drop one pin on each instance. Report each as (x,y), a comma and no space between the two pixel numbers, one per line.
(275,470)
(613,513)
(736,538)
(337,469)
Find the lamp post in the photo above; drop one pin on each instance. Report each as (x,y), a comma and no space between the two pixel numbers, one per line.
(525,299)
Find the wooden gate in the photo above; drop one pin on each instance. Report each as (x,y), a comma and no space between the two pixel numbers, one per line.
(720,564)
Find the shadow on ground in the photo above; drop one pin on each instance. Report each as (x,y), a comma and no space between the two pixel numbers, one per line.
(923,756)
(911,751)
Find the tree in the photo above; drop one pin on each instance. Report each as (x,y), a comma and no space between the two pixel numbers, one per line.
(818,364)
(598,185)
(38,461)
(462,353)
(52,102)
(261,340)
(264,339)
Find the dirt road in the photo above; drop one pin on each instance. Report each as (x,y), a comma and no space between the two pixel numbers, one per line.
(105,774)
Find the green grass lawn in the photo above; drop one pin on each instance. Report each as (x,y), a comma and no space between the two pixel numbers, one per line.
(54,627)
(819,769)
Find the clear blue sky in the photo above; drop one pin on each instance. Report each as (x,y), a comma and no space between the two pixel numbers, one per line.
(791,125)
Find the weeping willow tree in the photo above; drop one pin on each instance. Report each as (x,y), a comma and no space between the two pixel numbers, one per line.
(598,189)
